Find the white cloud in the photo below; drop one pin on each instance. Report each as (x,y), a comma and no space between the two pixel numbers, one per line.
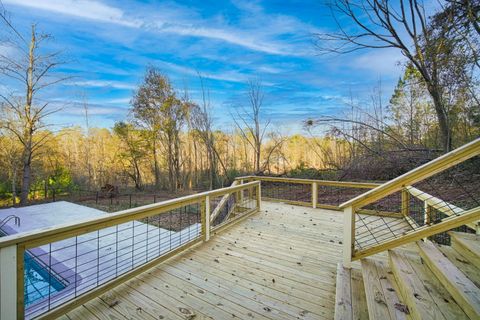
(184,21)
(232,76)
(230,36)
(7,50)
(383,62)
(86,9)
(102,84)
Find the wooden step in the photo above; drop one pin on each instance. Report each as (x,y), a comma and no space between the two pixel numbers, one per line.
(343,295)
(468,245)
(469,269)
(424,294)
(463,290)
(350,300)
(382,299)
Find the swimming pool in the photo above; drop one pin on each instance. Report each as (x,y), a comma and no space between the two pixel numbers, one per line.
(39,282)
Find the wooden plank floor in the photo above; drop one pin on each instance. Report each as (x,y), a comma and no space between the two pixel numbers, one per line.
(278,264)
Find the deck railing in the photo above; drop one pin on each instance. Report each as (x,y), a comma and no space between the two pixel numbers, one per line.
(422,214)
(83,259)
(309,192)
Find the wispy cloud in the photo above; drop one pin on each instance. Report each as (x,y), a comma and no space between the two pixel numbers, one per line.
(86,9)
(182,21)
(231,76)
(230,36)
(102,84)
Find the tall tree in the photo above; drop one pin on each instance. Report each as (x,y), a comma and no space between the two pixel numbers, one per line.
(157,109)
(32,69)
(403,25)
(250,123)
(202,121)
(132,151)
(10,159)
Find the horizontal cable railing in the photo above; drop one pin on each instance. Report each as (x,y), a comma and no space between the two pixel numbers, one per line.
(309,192)
(47,272)
(439,196)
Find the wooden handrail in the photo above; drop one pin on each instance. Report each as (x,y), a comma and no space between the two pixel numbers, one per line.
(438,204)
(422,232)
(442,206)
(222,203)
(39,237)
(345,184)
(437,165)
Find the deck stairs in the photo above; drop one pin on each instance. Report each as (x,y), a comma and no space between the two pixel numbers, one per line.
(420,281)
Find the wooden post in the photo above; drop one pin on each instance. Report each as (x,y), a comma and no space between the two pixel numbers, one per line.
(240,198)
(206,219)
(314,194)
(11,283)
(405,206)
(348,236)
(427,215)
(259,196)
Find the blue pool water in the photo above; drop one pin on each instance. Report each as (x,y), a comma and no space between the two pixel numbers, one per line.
(39,282)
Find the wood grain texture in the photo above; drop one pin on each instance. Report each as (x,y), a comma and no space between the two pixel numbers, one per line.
(280,263)
(463,290)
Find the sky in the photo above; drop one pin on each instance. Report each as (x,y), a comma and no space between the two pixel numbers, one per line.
(107,45)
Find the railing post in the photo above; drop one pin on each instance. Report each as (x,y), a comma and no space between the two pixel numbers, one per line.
(206,219)
(314,194)
(348,236)
(405,203)
(259,196)
(11,283)
(240,198)
(427,215)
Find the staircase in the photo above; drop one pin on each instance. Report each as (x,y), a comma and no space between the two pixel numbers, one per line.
(424,281)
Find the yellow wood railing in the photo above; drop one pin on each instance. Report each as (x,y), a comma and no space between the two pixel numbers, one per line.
(13,248)
(456,216)
(312,185)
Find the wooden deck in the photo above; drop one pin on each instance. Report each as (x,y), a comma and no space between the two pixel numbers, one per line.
(278,264)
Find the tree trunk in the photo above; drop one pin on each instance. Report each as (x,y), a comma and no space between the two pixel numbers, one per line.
(442,118)
(27,161)
(14,185)
(155,164)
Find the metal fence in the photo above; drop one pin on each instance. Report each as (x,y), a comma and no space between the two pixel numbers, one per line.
(45,272)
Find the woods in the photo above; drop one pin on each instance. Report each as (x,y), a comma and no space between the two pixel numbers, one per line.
(170,141)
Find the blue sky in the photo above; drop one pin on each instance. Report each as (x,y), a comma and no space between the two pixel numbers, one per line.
(108,45)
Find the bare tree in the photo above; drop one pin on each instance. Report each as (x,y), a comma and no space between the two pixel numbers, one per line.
(249,122)
(32,69)
(402,25)
(202,121)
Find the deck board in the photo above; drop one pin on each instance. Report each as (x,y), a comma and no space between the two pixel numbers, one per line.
(278,264)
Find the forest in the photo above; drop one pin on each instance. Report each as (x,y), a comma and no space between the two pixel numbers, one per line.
(170,142)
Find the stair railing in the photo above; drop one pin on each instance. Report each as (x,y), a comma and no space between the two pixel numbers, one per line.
(419,229)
